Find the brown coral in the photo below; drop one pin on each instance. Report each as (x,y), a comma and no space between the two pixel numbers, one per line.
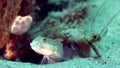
(9,10)
(11,51)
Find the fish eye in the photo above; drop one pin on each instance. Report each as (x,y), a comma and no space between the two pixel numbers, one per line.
(44,39)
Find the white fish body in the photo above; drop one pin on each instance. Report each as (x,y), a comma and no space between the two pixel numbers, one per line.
(51,48)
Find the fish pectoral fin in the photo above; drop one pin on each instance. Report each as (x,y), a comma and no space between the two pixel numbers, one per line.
(44,60)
